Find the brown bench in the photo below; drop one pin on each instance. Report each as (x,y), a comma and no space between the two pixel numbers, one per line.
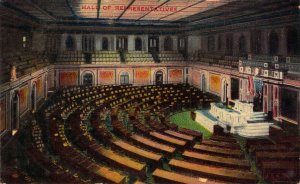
(216,160)
(224,174)
(162,176)
(280,170)
(218,150)
(70,156)
(124,162)
(168,139)
(153,144)
(276,155)
(223,138)
(221,144)
(136,152)
(180,135)
(196,134)
(271,147)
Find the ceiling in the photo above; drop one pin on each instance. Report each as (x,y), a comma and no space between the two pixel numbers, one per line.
(133,10)
(167,13)
(165,10)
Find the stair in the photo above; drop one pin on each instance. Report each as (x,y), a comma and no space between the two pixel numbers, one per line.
(254,130)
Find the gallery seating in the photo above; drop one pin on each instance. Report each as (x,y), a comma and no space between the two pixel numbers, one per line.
(139,57)
(108,57)
(70,57)
(170,56)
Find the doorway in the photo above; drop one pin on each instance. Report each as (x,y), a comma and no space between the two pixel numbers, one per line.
(88,79)
(124,78)
(224,93)
(33,97)
(203,84)
(153,43)
(15,111)
(159,78)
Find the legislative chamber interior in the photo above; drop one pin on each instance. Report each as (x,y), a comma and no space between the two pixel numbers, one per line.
(150,91)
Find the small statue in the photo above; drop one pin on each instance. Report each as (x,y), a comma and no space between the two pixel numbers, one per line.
(13,73)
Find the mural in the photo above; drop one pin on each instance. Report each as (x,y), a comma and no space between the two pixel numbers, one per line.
(39,88)
(23,95)
(215,83)
(175,75)
(2,114)
(142,75)
(68,78)
(106,76)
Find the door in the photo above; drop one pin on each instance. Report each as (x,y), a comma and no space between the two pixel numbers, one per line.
(88,79)
(159,78)
(153,43)
(15,111)
(124,78)
(33,98)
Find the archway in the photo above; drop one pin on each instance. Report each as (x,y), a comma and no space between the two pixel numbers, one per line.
(224,91)
(273,43)
(235,88)
(292,41)
(219,43)
(104,43)
(124,78)
(203,83)
(15,111)
(242,45)
(159,76)
(138,44)
(256,42)
(153,43)
(229,45)
(70,43)
(211,43)
(33,97)
(122,43)
(168,44)
(87,79)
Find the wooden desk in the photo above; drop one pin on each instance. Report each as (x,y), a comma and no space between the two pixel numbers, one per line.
(138,182)
(231,162)
(106,173)
(287,171)
(250,142)
(168,139)
(162,176)
(180,135)
(218,150)
(133,150)
(223,138)
(232,175)
(276,155)
(72,157)
(196,134)
(271,147)
(280,164)
(153,144)
(221,144)
(141,127)
(121,160)
(170,125)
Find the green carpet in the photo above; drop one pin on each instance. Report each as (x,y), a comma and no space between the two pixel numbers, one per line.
(184,120)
